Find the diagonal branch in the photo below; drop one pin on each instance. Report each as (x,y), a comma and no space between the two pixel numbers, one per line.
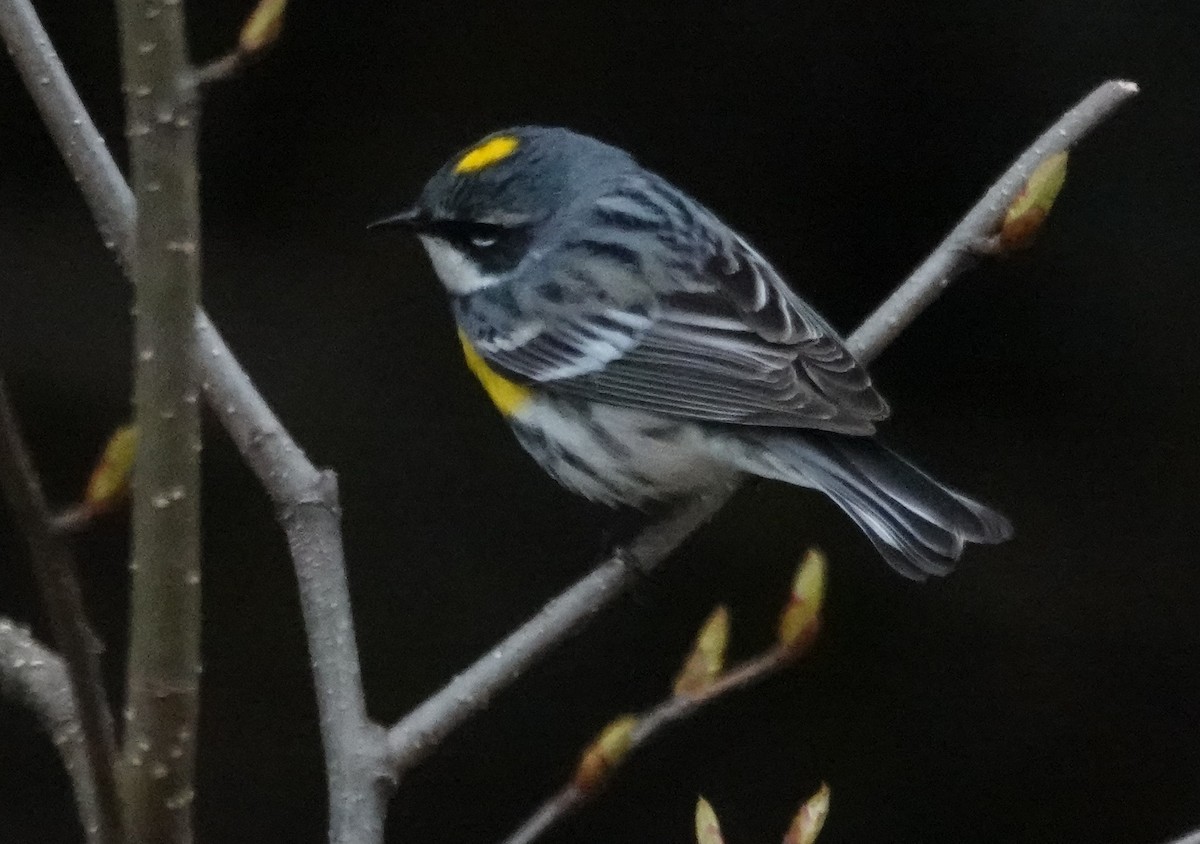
(35,677)
(58,585)
(418,734)
(80,142)
(599,762)
(572,797)
(956,253)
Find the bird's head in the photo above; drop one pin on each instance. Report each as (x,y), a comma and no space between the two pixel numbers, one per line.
(492,203)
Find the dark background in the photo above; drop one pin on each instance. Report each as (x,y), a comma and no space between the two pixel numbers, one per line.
(1049,691)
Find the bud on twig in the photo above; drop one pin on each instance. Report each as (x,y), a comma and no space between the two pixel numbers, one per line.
(806,826)
(260,31)
(707,659)
(604,754)
(708,830)
(109,483)
(1029,210)
(263,26)
(802,615)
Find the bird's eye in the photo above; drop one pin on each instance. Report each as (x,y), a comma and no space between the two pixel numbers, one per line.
(483,241)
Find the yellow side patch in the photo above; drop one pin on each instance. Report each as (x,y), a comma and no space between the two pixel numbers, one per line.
(508,396)
(487,154)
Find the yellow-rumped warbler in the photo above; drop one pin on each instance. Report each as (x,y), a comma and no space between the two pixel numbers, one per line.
(642,350)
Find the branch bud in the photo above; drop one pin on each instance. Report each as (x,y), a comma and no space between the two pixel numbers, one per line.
(109,483)
(1029,210)
(604,754)
(801,616)
(707,659)
(708,830)
(263,26)
(806,826)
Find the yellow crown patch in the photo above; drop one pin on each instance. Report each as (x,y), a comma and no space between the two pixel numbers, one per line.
(487,153)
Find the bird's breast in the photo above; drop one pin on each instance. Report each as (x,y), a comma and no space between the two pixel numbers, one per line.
(508,396)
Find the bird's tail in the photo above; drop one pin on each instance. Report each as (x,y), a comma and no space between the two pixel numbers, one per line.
(919,525)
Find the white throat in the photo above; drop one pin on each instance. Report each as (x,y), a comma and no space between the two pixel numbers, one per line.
(459,274)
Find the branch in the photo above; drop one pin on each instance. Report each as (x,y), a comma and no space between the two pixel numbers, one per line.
(966,241)
(77,138)
(701,681)
(162,687)
(572,797)
(36,678)
(417,735)
(306,503)
(58,585)
(413,738)
(305,499)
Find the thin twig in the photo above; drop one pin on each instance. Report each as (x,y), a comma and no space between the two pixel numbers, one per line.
(162,699)
(58,585)
(74,518)
(960,248)
(221,69)
(572,796)
(35,677)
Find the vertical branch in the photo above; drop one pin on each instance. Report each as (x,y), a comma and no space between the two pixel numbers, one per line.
(162,700)
(54,569)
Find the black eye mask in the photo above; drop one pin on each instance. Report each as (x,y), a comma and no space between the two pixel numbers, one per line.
(492,247)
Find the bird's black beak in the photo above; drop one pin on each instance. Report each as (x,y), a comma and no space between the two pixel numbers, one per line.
(415,219)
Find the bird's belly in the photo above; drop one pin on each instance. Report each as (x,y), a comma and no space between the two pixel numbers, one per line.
(615,455)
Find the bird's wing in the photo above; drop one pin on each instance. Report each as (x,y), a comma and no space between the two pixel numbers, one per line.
(701,329)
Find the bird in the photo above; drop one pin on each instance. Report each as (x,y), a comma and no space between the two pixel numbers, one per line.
(643,351)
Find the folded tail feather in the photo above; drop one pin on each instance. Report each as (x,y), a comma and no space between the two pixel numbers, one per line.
(919,525)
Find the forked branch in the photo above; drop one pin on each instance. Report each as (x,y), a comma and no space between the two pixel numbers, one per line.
(360,758)
(58,586)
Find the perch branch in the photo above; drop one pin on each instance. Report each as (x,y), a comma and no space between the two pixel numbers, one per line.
(416,735)
(58,585)
(35,677)
(162,696)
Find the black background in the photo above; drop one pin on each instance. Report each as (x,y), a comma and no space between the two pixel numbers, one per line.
(1048,691)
